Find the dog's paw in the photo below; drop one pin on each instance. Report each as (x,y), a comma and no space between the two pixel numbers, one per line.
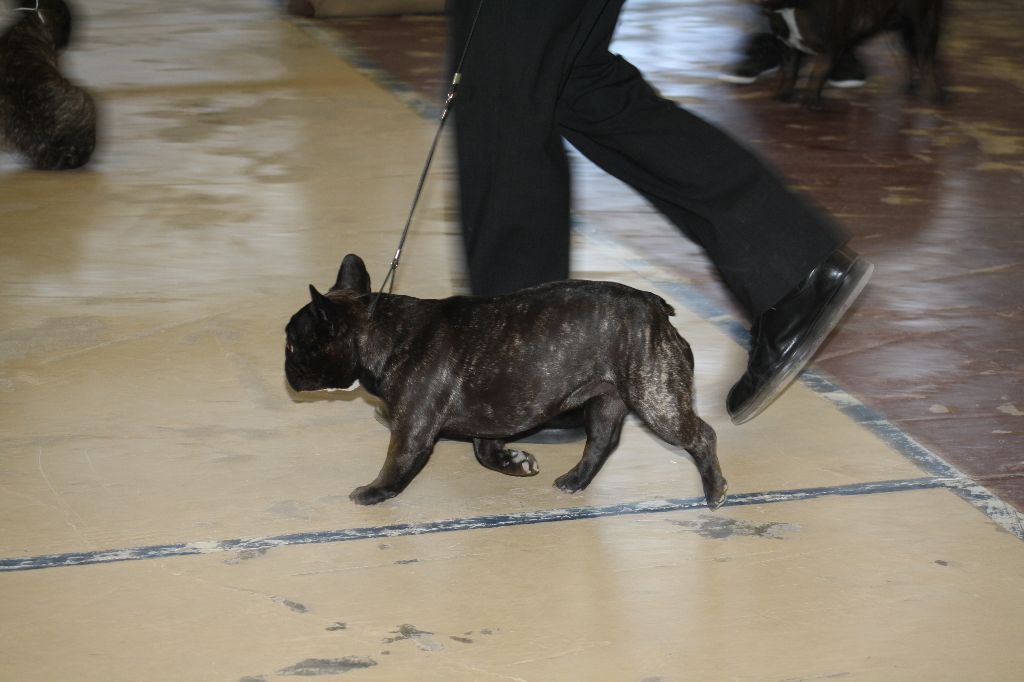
(368,494)
(715,495)
(519,463)
(509,462)
(570,482)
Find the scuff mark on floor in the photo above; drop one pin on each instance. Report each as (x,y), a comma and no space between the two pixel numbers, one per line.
(327,666)
(294,606)
(719,528)
(421,638)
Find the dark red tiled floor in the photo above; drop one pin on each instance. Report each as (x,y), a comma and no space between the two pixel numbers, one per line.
(935,197)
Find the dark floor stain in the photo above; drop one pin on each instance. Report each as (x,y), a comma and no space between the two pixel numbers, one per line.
(294,606)
(338,626)
(421,638)
(721,528)
(327,666)
(246,555)
(253,679)
(940,562)
(464,640)
(408,561)
(487,631)
(406,632)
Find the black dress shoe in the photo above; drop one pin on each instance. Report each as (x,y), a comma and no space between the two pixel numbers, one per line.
(786,336)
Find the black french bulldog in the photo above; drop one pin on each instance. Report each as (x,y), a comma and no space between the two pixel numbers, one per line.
(827,29)
(43,116)
(488,369)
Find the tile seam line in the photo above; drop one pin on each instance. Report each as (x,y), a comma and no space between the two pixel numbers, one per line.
(485,522)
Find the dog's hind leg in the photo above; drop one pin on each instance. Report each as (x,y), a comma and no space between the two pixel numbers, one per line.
(493,455)
(908,37)
(688,431)
(603,416)
(703,450)
(821,67)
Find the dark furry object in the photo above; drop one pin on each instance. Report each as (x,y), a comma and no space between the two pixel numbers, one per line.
(43,116)
(828,29)
(487,369)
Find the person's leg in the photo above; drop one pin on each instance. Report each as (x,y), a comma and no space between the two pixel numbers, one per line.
(512,167)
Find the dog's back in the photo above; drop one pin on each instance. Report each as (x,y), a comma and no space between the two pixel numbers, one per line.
(600,319)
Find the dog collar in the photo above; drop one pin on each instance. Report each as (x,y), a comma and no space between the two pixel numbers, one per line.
(37,9)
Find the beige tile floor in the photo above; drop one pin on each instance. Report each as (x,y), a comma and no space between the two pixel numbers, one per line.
(145,426)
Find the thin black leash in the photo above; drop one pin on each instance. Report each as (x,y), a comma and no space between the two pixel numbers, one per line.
(389,279)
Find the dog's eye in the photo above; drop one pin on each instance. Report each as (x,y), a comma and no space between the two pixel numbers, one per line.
(289,348)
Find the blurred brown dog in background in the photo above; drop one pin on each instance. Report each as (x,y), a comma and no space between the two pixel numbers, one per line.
(827,29)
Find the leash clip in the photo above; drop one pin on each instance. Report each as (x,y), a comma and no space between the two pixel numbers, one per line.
(450,99)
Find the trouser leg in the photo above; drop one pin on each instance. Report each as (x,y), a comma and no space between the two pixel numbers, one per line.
(513,172)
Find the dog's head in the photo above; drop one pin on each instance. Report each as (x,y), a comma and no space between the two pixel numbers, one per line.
(321,338)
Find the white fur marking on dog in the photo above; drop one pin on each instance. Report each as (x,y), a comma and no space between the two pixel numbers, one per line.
(353,387)
(795,39)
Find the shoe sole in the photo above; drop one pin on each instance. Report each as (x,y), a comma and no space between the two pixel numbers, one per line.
(847,83)
(858,276)
(743,80)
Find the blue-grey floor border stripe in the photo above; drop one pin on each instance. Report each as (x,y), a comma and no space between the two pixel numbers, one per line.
(47,561)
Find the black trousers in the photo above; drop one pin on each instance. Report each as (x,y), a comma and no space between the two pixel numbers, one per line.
(538,72)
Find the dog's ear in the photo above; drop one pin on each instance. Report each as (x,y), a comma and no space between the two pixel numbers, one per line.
(352,275)
(322,306)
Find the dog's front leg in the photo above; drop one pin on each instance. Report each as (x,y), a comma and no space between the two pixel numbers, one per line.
(789,72)
(407,455)
(604,416)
